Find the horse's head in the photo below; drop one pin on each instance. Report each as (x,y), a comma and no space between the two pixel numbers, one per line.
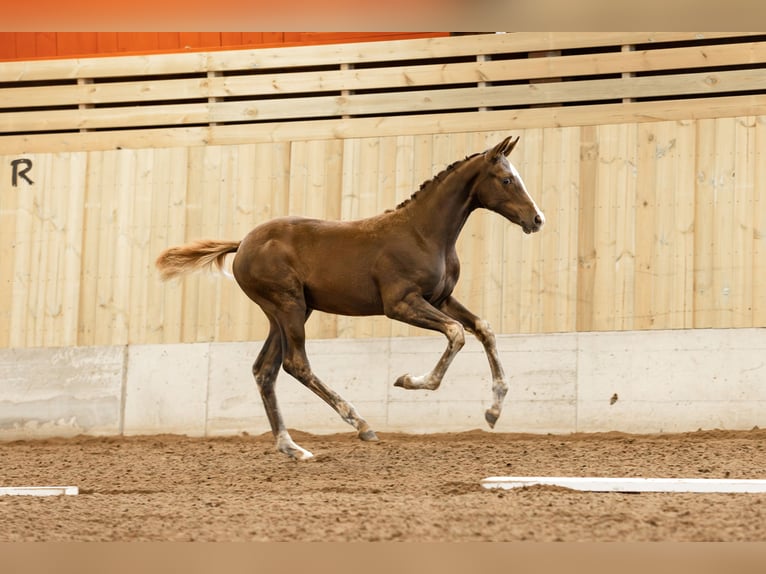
(500,188)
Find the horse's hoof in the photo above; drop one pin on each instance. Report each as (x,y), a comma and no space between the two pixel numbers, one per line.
(294,451)
(368,435)
(300,454)
(402,381)
(491,418)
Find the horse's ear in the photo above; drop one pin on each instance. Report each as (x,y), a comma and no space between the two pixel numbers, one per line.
(511,145)
(503,148)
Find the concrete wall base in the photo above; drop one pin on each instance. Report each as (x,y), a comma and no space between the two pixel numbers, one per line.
(636,382)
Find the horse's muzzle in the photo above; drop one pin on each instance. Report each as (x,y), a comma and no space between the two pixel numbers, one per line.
(538,222)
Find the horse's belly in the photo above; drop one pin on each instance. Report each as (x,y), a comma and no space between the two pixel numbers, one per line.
(353,302)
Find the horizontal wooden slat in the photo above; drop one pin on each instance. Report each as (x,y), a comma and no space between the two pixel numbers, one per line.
(502,120)
(281,58)
(386,103)
(386,77)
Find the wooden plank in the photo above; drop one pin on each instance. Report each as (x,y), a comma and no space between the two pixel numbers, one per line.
(161,229)
(622,225)
(388,103)
(352,53)
(73,229)
(208,216)
(733,106)
(9,216)
(243,185)
(52,212)
(759,226)
(587,254)
(614,226)
(657,227)
(724,222)
(23,242)
(97,118)
(644,310)
(90,248)
(39,255)
(223,217)
(704,232)
(745,279)
(173,292)
(684,220)
(139,91)
(192,218)
(672,270)
(114,300)
(491,96)
(140,270)
(142,90)
(558,198)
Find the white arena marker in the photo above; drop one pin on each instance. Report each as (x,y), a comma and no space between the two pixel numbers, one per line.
(39,490)
(605,484)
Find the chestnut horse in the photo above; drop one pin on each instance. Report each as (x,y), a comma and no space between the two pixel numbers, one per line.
(401,263)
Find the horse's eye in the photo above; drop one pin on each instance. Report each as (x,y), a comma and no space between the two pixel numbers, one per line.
(507,181)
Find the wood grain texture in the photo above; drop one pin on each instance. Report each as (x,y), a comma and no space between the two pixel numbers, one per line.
(654,199)
(649,226)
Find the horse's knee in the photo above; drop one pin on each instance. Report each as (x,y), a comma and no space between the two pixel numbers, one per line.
(456,335)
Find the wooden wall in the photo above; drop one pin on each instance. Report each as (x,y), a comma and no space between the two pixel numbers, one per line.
(649,226)
(655,204)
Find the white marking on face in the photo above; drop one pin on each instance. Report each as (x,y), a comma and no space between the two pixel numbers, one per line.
(517,175)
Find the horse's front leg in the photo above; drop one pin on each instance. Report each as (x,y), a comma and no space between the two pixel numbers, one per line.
(484,334)
(415,310)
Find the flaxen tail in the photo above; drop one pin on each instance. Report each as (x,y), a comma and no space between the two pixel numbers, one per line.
(177,261)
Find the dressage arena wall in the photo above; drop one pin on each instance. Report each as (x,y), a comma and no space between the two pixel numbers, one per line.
(640,382)
(645,150)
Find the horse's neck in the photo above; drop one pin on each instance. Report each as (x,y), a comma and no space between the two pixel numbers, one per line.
(440,212)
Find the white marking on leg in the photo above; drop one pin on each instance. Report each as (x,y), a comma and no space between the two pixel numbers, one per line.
(422,382)
(286,445)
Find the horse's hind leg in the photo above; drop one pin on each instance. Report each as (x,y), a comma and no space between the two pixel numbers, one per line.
(484,334)
(296,363)
(265,370)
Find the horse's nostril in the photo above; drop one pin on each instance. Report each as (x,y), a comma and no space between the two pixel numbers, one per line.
(538,219)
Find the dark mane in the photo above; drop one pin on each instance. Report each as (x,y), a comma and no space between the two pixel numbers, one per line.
(434,180)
